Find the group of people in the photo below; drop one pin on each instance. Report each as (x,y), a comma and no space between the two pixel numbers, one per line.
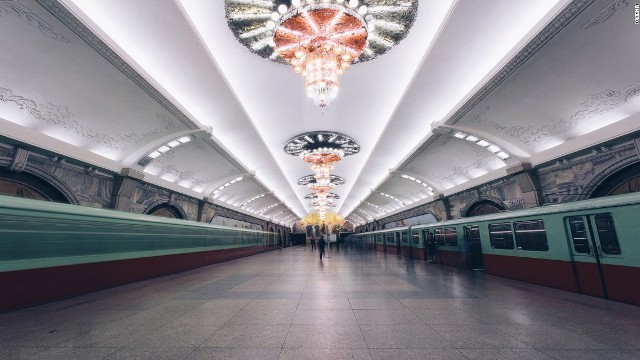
(322,243)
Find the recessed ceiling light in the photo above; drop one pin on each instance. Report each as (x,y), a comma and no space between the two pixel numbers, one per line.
(493,148)
(460,135)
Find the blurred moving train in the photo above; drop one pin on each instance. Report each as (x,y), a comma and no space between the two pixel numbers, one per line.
(50,251)
(590,247)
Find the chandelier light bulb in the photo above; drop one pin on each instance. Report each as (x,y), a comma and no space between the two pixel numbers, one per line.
(275,16)
(271,24)
(363,10)
(295,3)
(353,3)
(282,8)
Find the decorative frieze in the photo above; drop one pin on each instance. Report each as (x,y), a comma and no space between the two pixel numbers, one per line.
(20,159)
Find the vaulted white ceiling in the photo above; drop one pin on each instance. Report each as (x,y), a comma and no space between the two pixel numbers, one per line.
(535,79)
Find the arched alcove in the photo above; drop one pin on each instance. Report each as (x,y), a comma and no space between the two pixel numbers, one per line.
(166,210)
(26,185)
(483,207)
(623,181)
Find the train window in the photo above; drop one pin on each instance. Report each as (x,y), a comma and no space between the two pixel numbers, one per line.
(579,235)
(390,238)
(451,236)
(440,237)
(531,235)
(607,234)
(404,238)
(379,238)
(500,236)
(472,232)
(416,237)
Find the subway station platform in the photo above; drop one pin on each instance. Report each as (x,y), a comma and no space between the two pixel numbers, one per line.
(287,304)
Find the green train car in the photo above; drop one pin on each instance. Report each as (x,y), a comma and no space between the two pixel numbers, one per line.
(590,247)
(50,251)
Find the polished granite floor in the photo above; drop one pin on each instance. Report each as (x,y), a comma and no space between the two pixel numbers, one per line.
(354,305)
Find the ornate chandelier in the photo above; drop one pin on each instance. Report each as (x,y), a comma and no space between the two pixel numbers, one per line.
(320,38)
(321,149)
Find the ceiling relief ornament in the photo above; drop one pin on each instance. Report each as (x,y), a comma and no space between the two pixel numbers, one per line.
(594,105)
(166,165)
(46,112)
(565,17)
(60,116)
(606,13)
(14,7)
(482,161)
(461,172)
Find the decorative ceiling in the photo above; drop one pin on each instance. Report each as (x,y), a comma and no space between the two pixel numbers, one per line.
(475,87)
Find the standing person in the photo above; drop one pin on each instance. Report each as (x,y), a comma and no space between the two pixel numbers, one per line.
(321,244)
(309,230)
(313,243)
(431,247)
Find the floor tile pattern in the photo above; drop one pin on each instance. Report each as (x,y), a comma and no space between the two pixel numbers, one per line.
(287,304)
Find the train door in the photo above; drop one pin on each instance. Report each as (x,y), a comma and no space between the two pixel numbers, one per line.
(389,244)
(396,238)
(416,245)
(594,247)
(405,243)
(430,246)
(474,247)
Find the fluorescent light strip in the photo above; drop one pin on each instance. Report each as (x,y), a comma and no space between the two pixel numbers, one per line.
(168,146)
(227,184)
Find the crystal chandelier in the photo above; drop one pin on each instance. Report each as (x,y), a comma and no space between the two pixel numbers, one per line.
(320,38)
(321,149)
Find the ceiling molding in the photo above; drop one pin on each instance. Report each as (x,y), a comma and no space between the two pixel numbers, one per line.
(554,27)
(73,23)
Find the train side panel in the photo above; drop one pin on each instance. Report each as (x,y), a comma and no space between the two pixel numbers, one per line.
(52,251)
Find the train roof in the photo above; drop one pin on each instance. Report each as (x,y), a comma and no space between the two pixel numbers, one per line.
(400,228)
(598,203)
(16,203)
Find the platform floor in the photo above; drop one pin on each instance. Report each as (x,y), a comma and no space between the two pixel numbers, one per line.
(354,305)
